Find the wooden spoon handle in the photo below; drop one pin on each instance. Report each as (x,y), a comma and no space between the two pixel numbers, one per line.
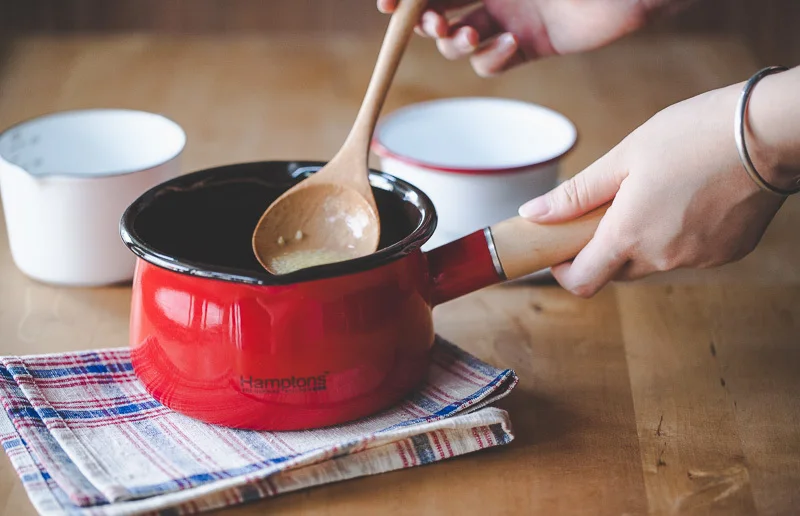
(394,44)
(524,247)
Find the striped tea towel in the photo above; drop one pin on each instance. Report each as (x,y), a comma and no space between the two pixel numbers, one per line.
(86,438)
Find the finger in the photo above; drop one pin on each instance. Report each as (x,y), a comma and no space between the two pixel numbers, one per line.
(480,20)
(461,42)
(597,264)
(497,56)
(387,6)
(589,189)
(434,25)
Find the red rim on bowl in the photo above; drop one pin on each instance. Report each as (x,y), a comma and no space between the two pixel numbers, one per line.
(380,147)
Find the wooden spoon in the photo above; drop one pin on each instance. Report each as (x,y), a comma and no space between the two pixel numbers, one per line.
(332,216)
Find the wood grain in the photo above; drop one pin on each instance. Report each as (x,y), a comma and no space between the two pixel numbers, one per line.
(709,367)
(756,338)
(596,375)
(762,23)
(692,456)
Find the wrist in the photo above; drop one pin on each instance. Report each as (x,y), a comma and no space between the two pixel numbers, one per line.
(772,129)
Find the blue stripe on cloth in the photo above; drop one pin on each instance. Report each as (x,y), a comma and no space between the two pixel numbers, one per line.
(13,443)
(59,372)
(181,458)
(122,410)
(249,492)
(36,477)
(90,356)
(260,443)
(158,437)
(422,445)
(202,478)
(499,434)
(45,413)
(424,402)
(505,375)
(50,447)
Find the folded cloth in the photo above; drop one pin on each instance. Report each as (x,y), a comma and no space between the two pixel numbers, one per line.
(86,438)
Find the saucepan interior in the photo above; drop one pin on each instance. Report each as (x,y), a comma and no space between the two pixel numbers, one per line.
(201,223)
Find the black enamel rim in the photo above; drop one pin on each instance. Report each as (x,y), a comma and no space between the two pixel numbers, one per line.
(296,169)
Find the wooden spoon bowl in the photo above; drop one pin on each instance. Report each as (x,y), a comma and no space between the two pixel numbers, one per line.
(332,216)
(317,223)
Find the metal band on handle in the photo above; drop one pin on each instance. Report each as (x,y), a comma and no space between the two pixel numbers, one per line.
(739,132)
(498,267)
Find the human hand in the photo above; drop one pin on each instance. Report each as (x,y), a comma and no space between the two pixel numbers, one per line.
(500,34)
(681,198)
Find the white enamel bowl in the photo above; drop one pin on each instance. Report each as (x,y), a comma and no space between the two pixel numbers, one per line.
(66,178)
(477,158)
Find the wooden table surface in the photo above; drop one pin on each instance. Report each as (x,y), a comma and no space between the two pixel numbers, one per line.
(679,394)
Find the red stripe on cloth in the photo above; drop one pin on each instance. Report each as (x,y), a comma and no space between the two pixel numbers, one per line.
(273,489)
(477,437)
(244,452)
(284,443)
(122,356)
(414,410)
(411,452)
(481,378)
(447,442)
(444,394)
(465,378)
(34,442)
(239,446)
(451,365)
(193,450)
(432,394)
(437,444)
(488,435)
(107,402)
(71,381)
(402,454)
(101,423)
(138,441)
(153,454)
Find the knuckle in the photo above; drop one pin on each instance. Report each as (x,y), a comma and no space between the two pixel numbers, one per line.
(575,193)
(666,261)
(569,191)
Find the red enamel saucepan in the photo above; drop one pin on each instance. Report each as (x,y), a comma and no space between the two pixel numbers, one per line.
(217,338)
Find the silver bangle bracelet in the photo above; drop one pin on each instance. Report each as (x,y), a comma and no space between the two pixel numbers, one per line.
(739,132)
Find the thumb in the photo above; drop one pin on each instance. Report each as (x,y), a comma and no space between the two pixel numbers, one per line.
(587,190)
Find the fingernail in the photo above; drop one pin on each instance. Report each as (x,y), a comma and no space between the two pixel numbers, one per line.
(429,23)
(462,40)
(535,209)
(507,41)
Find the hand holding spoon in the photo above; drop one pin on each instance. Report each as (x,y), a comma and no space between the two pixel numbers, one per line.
(332,215)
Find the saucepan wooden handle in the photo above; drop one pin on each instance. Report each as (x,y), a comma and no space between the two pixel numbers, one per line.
(507,250)
(522,247)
